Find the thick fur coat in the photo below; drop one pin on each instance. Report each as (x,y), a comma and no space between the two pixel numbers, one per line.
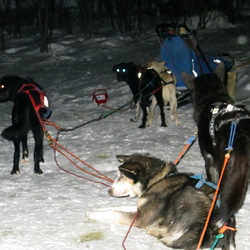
(169,207)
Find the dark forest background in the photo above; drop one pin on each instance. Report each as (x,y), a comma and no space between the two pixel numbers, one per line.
(39,18)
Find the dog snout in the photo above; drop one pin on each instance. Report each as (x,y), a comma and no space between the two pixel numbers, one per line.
(110,191)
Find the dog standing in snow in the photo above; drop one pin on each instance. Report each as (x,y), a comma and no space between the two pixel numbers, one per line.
(168,91)
(30,101)
(222,127)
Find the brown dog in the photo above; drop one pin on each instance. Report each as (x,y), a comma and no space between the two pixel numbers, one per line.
(168,91)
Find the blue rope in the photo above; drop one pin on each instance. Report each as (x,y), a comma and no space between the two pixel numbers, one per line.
(218,237)
(231,137)
(202,181)
(191,139)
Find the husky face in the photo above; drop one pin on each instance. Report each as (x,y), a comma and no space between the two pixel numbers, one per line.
(127,183)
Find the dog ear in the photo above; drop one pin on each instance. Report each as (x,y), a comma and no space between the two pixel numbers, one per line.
(131,168)
(172,167)
(162,64)
(169,168)
(220,71)
(122,158)
(188,80)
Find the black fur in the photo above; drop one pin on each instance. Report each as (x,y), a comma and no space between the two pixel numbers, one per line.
(128,72)
(151,84)
(142,88)
(24,118)
(209,92)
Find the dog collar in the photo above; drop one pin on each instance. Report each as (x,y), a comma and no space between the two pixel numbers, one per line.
(220,109)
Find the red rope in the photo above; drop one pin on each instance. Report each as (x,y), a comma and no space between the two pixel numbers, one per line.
(130,227)
(98,175)
(42,123)
(57,150)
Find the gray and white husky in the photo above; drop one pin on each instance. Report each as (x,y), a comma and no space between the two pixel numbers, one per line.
(169,207)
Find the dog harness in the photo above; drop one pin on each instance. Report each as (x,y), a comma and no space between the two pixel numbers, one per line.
(43,102)
(162,71)
(168,72)
(220,109)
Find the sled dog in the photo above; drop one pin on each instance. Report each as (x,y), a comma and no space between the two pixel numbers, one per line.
(29,101)
(143,87)
(146,87)
(128,72)
(222,127)
(169,207)
(168,91)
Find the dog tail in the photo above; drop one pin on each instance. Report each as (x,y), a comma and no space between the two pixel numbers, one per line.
(14,132)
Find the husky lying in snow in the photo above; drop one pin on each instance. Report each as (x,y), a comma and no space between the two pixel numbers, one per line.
(169,206)
(214,113)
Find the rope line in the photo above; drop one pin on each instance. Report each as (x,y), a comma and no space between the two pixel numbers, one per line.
(100,176)
(185,149)
(226,158)
(232,134)
(130,227)
(79,176)
(105,115)
(221,235)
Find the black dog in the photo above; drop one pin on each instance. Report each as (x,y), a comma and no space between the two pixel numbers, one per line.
(216,115)
(30,108)
(142,88)
(151,84)
(128,72)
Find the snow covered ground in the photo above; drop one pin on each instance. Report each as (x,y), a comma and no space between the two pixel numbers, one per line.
(44,212)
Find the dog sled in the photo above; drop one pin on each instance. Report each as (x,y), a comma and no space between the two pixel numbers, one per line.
(181,53)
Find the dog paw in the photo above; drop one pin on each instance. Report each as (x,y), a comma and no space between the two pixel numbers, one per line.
(15,172)
(177,122)
(90,215)
(25,160)
(133,120)
(38,171)
(97,215)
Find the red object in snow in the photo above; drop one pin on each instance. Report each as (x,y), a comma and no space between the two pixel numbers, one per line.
(100,96)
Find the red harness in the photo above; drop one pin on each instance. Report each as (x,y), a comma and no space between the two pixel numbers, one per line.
(28,88)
